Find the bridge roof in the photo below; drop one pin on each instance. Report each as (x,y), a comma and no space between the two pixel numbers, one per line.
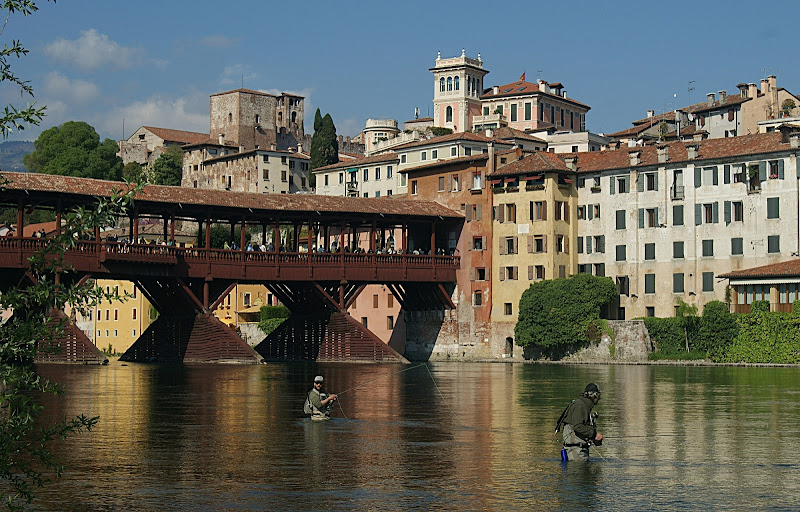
(191,202)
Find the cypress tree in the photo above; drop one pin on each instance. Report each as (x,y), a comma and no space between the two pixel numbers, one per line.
(324,146)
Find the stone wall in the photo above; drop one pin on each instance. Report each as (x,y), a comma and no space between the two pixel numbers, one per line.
(631,343)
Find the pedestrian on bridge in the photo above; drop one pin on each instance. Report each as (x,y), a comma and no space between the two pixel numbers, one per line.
(319,404)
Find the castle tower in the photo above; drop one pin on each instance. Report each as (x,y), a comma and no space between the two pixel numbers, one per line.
(457,89)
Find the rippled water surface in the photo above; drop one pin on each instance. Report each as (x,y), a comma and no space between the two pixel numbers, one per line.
(441,437)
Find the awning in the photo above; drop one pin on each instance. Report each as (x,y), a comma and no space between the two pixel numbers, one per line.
(567,180)
(354,169)
(511,180)
(495,182)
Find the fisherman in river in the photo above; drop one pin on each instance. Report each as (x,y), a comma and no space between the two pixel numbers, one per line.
(318,404)
(577,424)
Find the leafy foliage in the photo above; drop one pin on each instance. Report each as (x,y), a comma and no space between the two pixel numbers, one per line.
(717,329)
(25,459)
(761,306)
(440,130)
(667,334)
(556,314)
(168,168)
(75,149)
(132,172)
(272,317)
(324,146)
(765,337)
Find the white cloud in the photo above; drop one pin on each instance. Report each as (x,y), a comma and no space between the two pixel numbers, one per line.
(63,89)
(346,127)
(237,75)
(187,113)
(93,50)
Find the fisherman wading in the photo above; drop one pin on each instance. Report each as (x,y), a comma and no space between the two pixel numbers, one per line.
(318,404)
(577,425)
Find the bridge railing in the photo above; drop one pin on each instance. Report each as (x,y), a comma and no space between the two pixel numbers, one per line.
(165,253)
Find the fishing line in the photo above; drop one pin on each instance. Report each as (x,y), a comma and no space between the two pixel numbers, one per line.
(444,399)
(379,378)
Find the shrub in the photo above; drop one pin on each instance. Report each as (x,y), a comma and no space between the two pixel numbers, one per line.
(759,306)
(667,335)
(272,317)
(765,338)
(717,330)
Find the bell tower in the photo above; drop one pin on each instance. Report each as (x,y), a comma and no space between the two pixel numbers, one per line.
(457,89)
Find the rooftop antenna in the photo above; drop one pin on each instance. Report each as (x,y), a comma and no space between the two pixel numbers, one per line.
(538,72)
(123,129)
(689,90)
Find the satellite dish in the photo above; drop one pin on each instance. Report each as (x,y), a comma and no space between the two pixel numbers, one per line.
(691,117)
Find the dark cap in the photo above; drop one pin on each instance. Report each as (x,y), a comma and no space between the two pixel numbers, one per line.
(591,388)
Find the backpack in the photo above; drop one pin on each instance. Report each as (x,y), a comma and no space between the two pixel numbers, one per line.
(307,406)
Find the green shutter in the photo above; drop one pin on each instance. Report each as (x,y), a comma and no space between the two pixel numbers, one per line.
(780,169)
(698,214)
(627,183)
(655,178)
(727,212)
(726,174)
(656,217)
(640,182)
(715,212)
(588,245)
(698,177)
(602,243)
(762,171)
(612,179)
(641,218)
(715,175)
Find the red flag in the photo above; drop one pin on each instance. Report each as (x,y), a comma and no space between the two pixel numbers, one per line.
(522,78)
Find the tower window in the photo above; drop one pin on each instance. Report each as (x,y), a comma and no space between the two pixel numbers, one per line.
(449,83)
(455,80)
(441,84)
(449,115)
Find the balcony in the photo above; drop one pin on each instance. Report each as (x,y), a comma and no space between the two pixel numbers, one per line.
(676,192)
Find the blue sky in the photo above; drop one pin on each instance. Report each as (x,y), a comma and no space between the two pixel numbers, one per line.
(156,63)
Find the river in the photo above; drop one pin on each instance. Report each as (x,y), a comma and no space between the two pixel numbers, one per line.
(454,436)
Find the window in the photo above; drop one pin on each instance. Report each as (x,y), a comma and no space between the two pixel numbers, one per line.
(511,212)
(527,111)
(375,301)
(326,180)
(341,178)
(737,246)
(600,269)
(477,243)
(538,210)
(513,112)
(708,281)
(621,252)
(623,285)
(388,172)
(455,83)
(649,251)
(434,154)
(649,283)
(622,184)
(650,311)
(448,115)
(364,321)
(620,219)
(581,212)
(507,309)
(441,183)
(423,155)
(773,208)
(708,248)
(467,151)
(677,215)
(651,181)
(773,244)
(539,269)
(246,299)
(402,159)
(441,84)
(390,322)
(456,184)
(776,169)
(283,177)
(476,180)
(677,250)
(413,187)
(510,244)
(486,111)
(677,283)
(480,274)
(595,210)
(377,173)
(651,215)
(454,151)
(477,298)
(560,245)
(449,83)
(539,244)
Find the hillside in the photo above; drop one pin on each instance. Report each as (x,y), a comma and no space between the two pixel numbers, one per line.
(11,154)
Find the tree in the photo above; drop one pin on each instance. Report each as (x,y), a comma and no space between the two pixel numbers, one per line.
(787,106)
(555,315)
(718,328)
(74,149)
(168,168)
(324,146)
(439,131)
(688,315)
(25,458)
(132,172)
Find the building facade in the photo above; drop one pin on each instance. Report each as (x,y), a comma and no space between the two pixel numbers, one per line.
(373,176)
(457,89)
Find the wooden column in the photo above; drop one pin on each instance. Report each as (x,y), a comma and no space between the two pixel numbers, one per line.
(276,237)
(172,228)
(58,216)
(135,220)
(208,234)
(242,234)
(433,238)
(372,237)
(20,218)
(405,238)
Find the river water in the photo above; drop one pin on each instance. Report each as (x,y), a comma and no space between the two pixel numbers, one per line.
(438,437)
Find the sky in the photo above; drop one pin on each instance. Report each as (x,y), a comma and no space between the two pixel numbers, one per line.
(121,65)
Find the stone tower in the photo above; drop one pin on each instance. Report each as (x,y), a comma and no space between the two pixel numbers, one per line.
(457,89)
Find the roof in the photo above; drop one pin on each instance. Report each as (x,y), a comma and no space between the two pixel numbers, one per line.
(246,91)
(48,227)
(521,88)
(205,200)
(180,136)
(256,152)
(507,132)
(538,161)
(633,130)
(420,120)
(730,147)
(449,161)
(450,137)
(783,269)
(358,162)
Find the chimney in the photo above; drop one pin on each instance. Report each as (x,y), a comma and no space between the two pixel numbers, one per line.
(663,154)
(752,91)
(651,113)
(710,99)
(221,139)
(273,147)
(742,89)
(518,152)
(794,140)
(542,86)
(490,163)
(564,94)
(773,95)
(572,163)
(635,156)
(489,133)
(495,89)
(299,147)
(691,151)
(723,96)
(773,82)
(764,86)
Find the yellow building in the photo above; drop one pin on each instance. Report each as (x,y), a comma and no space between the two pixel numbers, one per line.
(534,233)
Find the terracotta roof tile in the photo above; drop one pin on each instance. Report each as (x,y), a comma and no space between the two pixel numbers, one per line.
(179,136)
(449,161)
(451,137)
(506,132)
(538,161)
(520,88)
(358,162)
(204,199)
(789,268)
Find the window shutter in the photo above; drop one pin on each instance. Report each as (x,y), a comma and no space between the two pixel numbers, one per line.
(726,174)
(640,182)
(472,274)
(470,244)
(530,272)
(566,212)
(566,244)
(762,171)
(726,212)
(698,177)
(501,213)
(590,210)
(613,186)
(530,244)
(698,214)
(544,238)
(655,181)
(627,184)
(544,210)
(715,212)
(449,184)
(603,243)
(516,244)
(715,175)
(478,212)
(656,218)
(468,212)
(580,245)
(641,218)
(780,169)
(502,242)
(588,245)
(483,179)
(483,243)
(502,273)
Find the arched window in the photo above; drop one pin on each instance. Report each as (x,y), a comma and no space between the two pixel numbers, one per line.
(449,83)
(441,84)
(449,115)
(456,82)
(280,117)
(294,116)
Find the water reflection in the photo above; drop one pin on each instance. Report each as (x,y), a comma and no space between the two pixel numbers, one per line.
(478,437)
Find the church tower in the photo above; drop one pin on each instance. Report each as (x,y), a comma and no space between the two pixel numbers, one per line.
(457,89)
